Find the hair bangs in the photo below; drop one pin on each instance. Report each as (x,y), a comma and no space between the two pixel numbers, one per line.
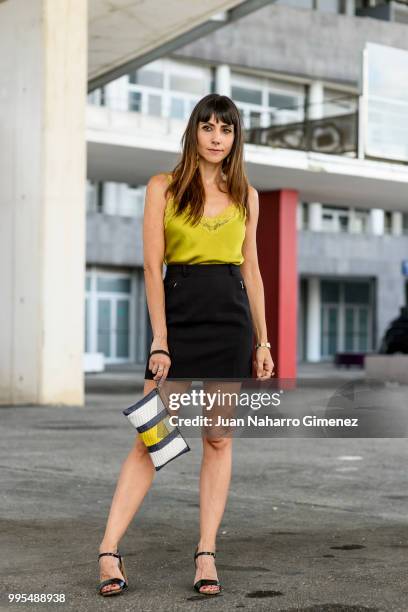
(220,108)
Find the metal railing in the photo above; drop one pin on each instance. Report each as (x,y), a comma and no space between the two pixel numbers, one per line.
(334,132)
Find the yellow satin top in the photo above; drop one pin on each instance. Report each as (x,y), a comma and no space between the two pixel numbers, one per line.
(214,240)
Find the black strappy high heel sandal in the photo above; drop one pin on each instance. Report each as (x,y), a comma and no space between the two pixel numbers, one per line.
(123,584)
(205,581)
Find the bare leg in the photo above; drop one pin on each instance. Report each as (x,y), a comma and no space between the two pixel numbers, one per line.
(215,478)
(136,476)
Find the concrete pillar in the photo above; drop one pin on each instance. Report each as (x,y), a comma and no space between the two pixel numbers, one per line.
(315,111)
(316,100)
(313,331)
(315,217)
(299,216)
(277,254)
(110,198)
(350,8)
(43,68)
(377,221)
(353,221)
(223,80)
(396,223)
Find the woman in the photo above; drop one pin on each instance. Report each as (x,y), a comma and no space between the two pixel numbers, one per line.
(201,222)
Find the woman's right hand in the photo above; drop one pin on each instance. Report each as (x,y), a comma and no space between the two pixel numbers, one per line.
(159,363)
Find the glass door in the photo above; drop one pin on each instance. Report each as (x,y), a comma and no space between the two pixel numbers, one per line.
(356,328)
(121,332)
(109,319)
(346,316)
(330,331)
(114,328)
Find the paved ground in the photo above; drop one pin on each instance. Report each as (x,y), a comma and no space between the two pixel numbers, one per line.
(312,525)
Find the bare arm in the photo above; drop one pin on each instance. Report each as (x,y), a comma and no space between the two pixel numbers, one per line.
(255,289)
(153,255)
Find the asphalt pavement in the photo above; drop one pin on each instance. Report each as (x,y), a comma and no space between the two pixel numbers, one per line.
(311,525)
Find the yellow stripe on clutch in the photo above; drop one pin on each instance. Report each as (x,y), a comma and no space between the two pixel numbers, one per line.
(156,433)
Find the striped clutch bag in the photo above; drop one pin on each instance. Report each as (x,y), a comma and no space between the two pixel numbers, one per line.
(152,420)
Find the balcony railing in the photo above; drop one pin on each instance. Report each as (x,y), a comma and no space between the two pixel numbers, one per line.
(334,132)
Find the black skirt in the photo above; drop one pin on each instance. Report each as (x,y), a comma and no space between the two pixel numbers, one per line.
(209,325)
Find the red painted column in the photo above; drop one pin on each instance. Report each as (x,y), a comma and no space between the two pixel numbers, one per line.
(277,255)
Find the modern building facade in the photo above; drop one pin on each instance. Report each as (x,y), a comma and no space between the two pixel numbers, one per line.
(285,65)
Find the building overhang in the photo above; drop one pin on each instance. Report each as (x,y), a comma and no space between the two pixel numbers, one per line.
(125,35)
(130,148)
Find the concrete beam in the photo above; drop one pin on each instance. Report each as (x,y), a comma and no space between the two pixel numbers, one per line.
(161,49)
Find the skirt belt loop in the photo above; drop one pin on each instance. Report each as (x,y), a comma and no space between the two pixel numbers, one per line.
(184,270)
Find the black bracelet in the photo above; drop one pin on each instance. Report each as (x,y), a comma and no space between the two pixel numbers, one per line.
(159,351)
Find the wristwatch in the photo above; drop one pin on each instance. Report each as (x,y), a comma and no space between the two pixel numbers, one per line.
(259,344)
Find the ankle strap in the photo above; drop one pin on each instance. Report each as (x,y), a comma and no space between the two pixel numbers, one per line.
(204,552)
(117,555)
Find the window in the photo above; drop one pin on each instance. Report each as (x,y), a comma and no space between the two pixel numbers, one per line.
(338,103)
(346,316)
(150,78)
(387,222)
(356,292)
(94,196)
(286,101)
(116,285)
(335,219)
(97,97)
(267,101)
(343,222)
(244,94)
(405,223)
(109,322)
(135,101)
(168,88)
(330,291)
(188,84)
(133,205)
(305,215)
(277,100)
(154,105)
(177,108)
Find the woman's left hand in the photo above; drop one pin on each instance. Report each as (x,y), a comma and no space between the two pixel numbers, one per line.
(263,363)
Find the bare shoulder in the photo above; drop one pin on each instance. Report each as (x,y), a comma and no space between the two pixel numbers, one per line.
(252,193)
(155,192)
(253,199)
(158,183)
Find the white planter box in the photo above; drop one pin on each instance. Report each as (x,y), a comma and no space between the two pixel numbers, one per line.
(94,362)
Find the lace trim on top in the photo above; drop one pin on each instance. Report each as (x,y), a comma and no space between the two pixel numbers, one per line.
(209,223)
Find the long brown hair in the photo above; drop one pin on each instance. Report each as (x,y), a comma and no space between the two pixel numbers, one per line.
(186,187)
